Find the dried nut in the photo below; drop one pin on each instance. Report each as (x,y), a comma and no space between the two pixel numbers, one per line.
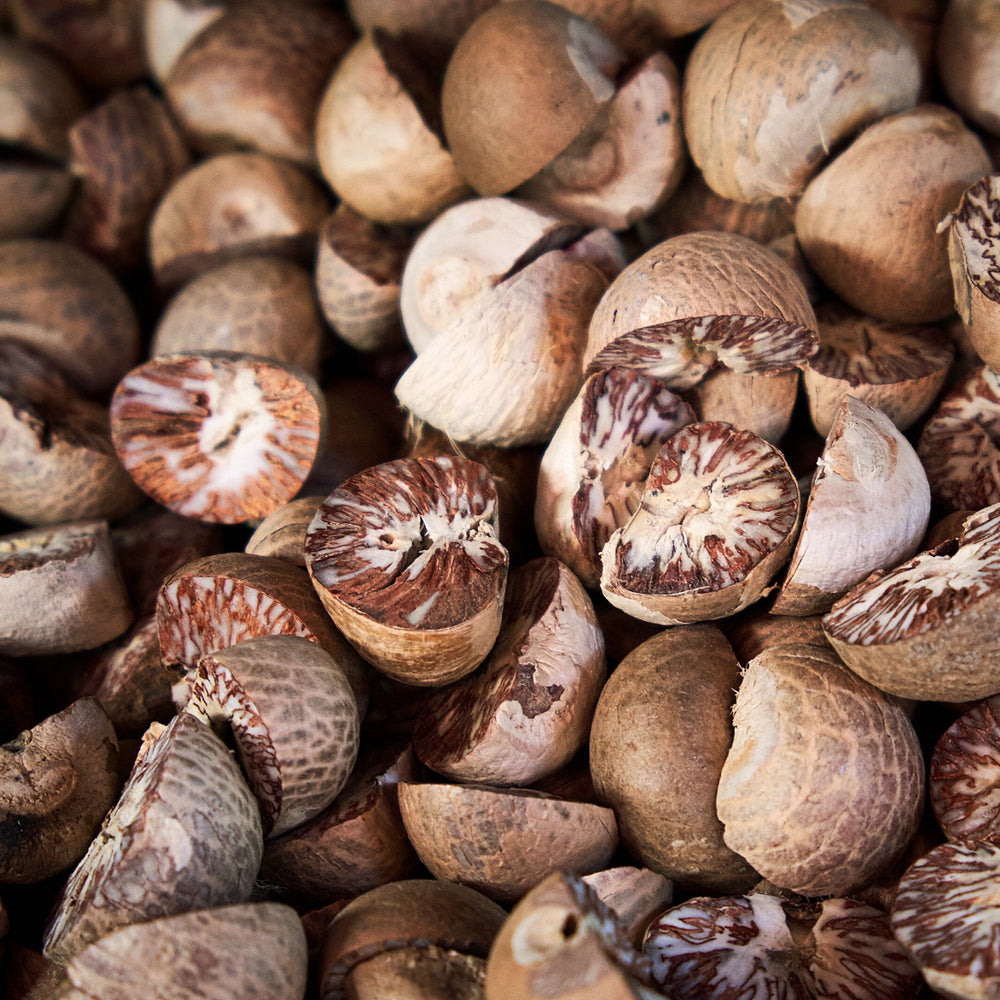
(958,444)
(827,814)
(504,120)
(218,601)
(716,522)
(592,474)
(359,269)
(32,196)
(57,462)
(770,89)
(683,17)
(468,250)
(897,368)
(888,191)
(126,151)
(253,76)
(973,246)
(636,895)
(378,141)
(65,305)
(755,631)
(102,43)
(133,961)
(219,437)
(255,305)
(963,772)
(561,941)
(966,55)
(492,838)
(922,630)
(405,559)
(357,843)
(630,158)
(184,835)
(234,205)
(283,533)
(527,711)
(40,99)
(867,465)
(942,917)
(416,973)
(660,734)
(416,913)
(168,27)
(60,590)
(293,717)
(56,783)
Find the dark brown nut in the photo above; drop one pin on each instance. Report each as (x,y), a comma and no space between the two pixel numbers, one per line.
(405,559)
(357,843)
(217,436)
(168,27)
(252,78)
(503,841)
(185,834)
(527,711)
(660,736)
(28,975)
(63,304)
(56,783)
(233,205)
(60,590)
(293,717)
(132,961)
(253,305)
(415,973)
(32,196)
(17,703)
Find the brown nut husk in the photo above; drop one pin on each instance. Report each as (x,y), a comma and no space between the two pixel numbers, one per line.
(966,60)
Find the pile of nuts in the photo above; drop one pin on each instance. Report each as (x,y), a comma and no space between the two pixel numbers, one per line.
(499,499)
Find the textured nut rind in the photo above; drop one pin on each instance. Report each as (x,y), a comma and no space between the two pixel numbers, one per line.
(282,534)
(293,716)
(823,786)
(660,735)
(503,842)
(56,783)
(772,86)
(195,955)
(418,973)
(635,894)
(185,834)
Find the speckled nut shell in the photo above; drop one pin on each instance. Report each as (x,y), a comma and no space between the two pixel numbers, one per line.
(772,85)
(521,85)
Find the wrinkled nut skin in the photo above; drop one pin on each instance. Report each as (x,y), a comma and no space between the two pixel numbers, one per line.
(660,735)
(827,814)
(56,783)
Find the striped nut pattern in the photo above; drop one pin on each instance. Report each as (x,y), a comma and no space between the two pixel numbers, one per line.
(406,560)
(528,710)
(965,775)
(217,437)
(946,914)
(823,786)
(294,719)
(247,950)
(716,522)
(958,444)
(926,629)
(185,835)
(592,473)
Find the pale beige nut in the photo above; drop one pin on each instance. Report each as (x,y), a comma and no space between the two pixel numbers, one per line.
(232,205)
(70,571)
(823,786)
(527,711)
(503,841)
(660,735)
(282,534)
(378,139)
(771,87)
(192,955)
(406,560)
(254,305)
(868,508)
(218,436)
(185,834)
(636,895)
(169,25)
(293,716)
(967,54)
(252,77)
